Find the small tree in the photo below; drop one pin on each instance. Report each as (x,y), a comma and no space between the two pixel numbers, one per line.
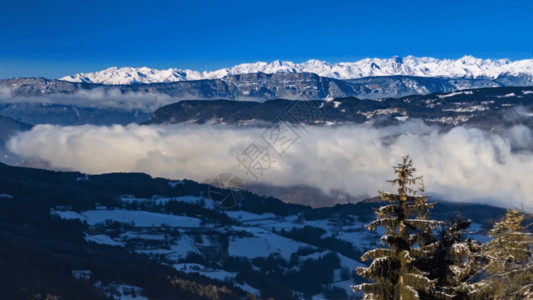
(408,236)
(510,261)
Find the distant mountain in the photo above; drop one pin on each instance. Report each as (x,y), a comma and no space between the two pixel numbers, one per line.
(486,108)
(434,100)
(254,87)
(465,67)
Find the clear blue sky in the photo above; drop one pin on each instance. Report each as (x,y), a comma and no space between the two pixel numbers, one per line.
(57,38)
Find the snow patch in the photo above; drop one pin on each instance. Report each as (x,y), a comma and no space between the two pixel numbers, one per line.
(103,239)
(207,272)
(245,216)
(262,244)
(402,118)
(455,94)
(507,95)
(175,183)
(136,218)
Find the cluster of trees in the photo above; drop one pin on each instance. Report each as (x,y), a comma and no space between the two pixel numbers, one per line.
(427,259)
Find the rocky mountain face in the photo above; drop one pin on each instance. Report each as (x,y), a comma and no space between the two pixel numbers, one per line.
(28,87)
(261,87)
(465,67)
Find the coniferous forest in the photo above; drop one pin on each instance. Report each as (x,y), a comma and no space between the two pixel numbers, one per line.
(428,259)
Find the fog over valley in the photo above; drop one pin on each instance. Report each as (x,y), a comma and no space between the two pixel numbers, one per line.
(461,164)
(266,150)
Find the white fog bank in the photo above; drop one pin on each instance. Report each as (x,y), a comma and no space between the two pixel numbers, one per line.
(460,165)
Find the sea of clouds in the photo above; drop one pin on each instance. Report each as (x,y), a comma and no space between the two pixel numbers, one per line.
(125,100)
(462,164)
(106,98)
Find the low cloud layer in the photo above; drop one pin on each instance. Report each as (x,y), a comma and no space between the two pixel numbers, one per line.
(99,98)
(114,98)
(459,165)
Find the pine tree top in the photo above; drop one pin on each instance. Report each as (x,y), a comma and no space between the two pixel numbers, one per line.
(408,237)
(406,180)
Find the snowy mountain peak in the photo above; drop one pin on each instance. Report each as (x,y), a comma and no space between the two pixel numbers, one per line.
(464,67)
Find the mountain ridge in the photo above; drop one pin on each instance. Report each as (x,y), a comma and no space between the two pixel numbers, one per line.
(262,86)
(487,108)
(464,67)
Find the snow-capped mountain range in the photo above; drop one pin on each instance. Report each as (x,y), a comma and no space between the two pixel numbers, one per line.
(465,67)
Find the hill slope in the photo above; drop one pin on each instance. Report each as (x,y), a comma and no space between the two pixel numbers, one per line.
(483,108)
(166,240)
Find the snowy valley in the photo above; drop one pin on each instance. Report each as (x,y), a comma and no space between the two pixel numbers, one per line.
(261,247)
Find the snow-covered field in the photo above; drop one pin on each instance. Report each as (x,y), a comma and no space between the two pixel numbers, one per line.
(180,241)
(262,244)
(133,217)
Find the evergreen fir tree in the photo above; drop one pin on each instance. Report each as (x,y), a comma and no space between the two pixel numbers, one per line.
(455,261)
(510,261)
(408,237)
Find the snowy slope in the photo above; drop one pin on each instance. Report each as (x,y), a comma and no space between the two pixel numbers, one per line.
(466,66)
(136,218)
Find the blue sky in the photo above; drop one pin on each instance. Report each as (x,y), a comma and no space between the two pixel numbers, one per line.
(57,38)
